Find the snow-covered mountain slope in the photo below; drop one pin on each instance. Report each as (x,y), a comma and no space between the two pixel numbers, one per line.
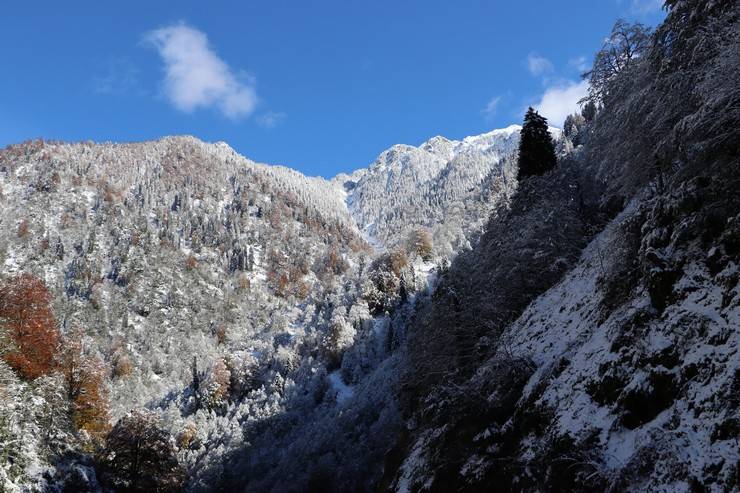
(622,375)
(590,341)
(178,260)
(652,391)
(172,262)
(446,186)
(144,243)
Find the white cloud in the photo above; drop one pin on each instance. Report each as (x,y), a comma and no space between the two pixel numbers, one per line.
(492,106)
(539,65)
(195,77)
(559,101)
(270,119)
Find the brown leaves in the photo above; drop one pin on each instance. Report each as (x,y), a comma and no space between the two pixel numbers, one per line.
(84,378)
(26,314)
(420,242)
(23,228)
(191,262)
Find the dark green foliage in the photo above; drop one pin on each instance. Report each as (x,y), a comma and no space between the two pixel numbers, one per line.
(536,149)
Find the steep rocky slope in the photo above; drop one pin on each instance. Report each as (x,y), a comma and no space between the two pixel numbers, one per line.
(603,355)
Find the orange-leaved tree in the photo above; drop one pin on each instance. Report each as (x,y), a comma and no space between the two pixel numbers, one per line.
(84,378)
(27,317)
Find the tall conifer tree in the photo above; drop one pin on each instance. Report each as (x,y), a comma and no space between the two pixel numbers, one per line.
(536,149)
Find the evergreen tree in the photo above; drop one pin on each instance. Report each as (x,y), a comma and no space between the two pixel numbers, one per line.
(250,259)
(573,126)
(589,111)
(536,149)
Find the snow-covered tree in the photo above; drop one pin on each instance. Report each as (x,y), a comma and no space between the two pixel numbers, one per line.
(625,43)
(536,149)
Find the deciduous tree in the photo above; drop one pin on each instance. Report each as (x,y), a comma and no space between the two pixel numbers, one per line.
(625,43)
(420,241)
(85,382)
(139,456)
(26,315)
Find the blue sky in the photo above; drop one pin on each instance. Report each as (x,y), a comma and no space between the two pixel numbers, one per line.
(320,86)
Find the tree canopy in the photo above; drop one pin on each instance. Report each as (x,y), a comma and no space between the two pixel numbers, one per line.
(27,318)
(139,456)
(625,43)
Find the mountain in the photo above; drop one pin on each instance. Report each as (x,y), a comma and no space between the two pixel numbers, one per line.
(428,323)
(177,261)
(446,186)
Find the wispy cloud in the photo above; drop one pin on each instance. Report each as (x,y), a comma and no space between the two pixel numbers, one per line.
(579,63)
(118,76)
(645,7)
(491,107)
(560,100)
(539,65)
(270,119)
(195,76)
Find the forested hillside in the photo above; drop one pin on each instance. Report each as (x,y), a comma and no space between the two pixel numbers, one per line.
(180,278)
(524,310)
(589,341)
(172,275)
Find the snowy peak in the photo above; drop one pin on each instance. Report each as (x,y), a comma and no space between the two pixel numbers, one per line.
(439,146)
(430,186)
(492,139)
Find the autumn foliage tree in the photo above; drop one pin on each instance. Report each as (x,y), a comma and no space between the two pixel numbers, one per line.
(84,378)
(214,389)
(420,242)
(27,317)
